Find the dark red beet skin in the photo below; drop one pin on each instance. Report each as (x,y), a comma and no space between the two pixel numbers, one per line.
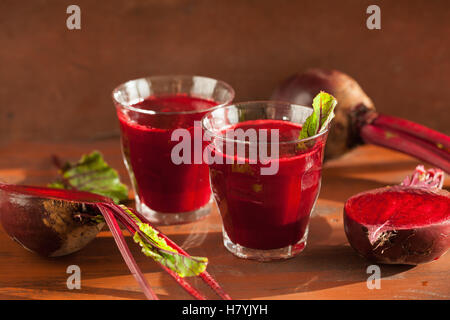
(50,222)
(399,224)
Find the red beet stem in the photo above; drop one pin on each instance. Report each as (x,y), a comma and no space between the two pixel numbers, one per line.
(206,277)
(132,228)
(182,282)
(125,251)
(441,140)
(407,137)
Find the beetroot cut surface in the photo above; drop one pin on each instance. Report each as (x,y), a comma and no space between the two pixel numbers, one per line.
(404,224)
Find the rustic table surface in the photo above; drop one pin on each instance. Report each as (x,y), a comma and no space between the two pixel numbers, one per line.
(327,269)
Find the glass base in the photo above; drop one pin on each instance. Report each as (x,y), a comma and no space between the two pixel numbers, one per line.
(264,255)
(162,218)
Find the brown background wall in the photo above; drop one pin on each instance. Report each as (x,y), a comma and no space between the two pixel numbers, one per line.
(55,84)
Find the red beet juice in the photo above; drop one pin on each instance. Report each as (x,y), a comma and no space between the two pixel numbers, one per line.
(146,140)
(269,211)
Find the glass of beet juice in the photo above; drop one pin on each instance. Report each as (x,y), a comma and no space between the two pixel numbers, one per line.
(149,110)
(265,215)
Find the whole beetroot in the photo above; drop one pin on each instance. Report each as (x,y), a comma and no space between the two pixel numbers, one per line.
(404,224)
(357,122)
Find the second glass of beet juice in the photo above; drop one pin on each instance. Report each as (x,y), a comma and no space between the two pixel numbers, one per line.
(149,111)
(265,212)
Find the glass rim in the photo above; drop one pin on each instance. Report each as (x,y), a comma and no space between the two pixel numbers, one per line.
(254,103)
(130,106)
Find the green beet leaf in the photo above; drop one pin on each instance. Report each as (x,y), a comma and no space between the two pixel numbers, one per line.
(91,173)
(323,113)
(155,247)
(184,266)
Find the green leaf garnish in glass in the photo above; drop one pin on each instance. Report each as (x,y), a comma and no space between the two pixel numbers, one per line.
(323,112)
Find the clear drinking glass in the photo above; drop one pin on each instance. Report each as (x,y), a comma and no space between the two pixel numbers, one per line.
(265,213)
(149,110)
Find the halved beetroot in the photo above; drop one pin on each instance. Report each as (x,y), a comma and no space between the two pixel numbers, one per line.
(405,224)
(50,222)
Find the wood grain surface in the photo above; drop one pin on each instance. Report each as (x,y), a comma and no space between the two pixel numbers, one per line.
(327,269)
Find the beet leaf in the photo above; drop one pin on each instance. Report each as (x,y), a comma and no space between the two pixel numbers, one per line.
(91,173)
(323,112)
(155,247)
